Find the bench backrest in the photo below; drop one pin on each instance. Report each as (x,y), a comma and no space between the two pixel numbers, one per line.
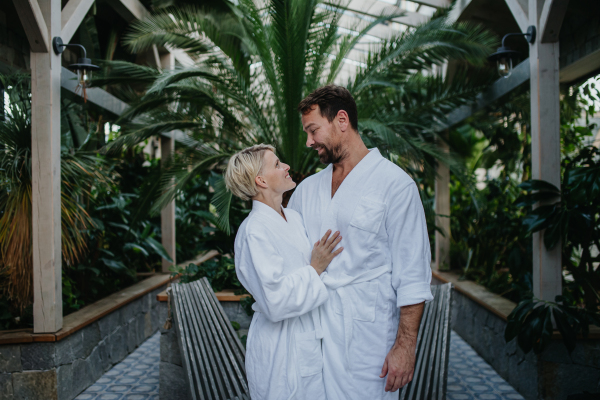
(433,349)
(212,354)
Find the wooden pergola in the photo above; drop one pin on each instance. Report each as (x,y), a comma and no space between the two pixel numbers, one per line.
(44,20)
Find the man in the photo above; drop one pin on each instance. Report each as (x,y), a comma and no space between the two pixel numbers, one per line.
(368,346)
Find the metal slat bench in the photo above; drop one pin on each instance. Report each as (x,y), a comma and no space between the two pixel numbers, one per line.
(433,349)
(212,354)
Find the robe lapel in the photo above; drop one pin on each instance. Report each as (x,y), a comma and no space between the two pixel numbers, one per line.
(349,193)
(277,224)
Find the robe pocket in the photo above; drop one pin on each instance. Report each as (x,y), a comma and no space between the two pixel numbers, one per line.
(309,355)
(363,299)
(368,215)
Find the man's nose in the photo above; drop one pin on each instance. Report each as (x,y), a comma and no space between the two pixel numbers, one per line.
(309,140)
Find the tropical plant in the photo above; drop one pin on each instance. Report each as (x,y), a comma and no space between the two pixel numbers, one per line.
(569,217)
(238,93)
(80,172)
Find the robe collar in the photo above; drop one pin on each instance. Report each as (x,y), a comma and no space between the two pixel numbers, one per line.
(348,194)
(287,230)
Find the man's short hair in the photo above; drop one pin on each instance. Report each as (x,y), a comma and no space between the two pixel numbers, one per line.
(331,99)
(243,168)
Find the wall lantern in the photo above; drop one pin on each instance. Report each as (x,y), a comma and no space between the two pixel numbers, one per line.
(83,67)
(505,56)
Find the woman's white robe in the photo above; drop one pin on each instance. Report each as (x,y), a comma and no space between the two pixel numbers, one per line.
(385,265)
(283,351)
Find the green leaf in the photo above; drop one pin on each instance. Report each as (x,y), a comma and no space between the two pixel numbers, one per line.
(236,325)
(567,332)
(158,248)
(515,319)
(222,202)
(539,185)
(539,218)
(135,247)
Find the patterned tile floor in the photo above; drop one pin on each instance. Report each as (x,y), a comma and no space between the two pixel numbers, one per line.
(136,377)
(471,378)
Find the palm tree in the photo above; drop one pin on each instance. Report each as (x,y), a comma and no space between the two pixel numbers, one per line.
(80,171)
(240,92)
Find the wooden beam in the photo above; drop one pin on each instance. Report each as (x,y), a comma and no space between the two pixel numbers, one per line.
(545,149)
(502,86)
(551,19)
(130,10)
(459,7)
(33,22)
(582,68)
(519,10)
(434,3)
(442,214)
(71,17)
(45,177)
(167,214)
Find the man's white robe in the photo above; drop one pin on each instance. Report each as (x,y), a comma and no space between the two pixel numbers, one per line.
(385,265)
(283,351)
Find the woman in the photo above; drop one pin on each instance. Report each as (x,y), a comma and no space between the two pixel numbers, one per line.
(274,262)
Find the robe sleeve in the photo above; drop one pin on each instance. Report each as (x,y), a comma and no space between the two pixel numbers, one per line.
(409,244)
(279,296)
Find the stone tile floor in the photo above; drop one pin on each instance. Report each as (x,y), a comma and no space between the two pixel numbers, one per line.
(471,378)
(136,377)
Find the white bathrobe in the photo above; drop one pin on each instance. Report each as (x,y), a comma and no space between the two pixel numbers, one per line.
(283,353)
(385,265)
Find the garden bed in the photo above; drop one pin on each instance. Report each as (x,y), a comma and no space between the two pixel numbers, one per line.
(479,317)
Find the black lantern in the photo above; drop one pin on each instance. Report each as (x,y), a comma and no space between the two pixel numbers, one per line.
(505,57)
(83,67)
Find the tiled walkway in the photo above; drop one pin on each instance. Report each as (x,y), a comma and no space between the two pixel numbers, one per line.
(136,377)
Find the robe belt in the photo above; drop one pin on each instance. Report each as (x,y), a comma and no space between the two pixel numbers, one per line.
(338,284)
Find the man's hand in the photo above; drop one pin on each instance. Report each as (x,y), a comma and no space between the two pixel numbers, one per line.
(399,364)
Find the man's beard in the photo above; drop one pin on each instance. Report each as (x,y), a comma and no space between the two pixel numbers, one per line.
(333,155)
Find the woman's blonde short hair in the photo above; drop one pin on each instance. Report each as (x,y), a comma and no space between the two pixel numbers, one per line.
(243,168)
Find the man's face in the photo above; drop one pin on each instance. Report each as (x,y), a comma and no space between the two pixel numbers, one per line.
(323,136)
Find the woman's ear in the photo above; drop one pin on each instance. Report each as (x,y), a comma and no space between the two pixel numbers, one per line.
(260,182)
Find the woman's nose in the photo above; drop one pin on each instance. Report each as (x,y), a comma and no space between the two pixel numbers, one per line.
(286,167)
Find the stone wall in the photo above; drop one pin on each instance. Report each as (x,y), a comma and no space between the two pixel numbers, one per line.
(554,374)
(61,370)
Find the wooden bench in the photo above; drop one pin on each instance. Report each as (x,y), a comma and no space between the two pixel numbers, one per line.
(433,349)
(213,356)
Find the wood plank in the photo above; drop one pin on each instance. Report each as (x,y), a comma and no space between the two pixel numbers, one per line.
(229,295)
(167,214)
(520,13)
(442,213)
(501,87)
(492,302)
(130,10)
(34,24)
(71,17)
(434,3)
(545,150)
(45,166)
(89,314)
(581,69)
(551,19)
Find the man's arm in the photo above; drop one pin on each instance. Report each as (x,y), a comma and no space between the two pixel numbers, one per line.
(399,364)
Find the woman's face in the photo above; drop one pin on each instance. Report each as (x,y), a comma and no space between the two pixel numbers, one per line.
(275,174)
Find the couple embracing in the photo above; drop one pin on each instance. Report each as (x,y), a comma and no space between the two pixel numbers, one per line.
(341,275)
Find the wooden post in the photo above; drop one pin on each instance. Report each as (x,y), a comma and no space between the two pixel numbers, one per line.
(167,214)
(45,166)
(545,147)
(442,214)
